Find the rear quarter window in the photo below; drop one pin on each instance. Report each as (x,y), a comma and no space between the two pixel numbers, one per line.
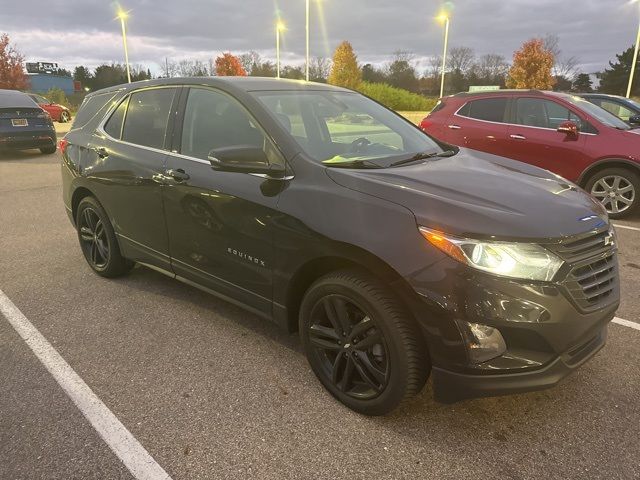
(91,107)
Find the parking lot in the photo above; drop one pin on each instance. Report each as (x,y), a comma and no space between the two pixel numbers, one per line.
(211,391)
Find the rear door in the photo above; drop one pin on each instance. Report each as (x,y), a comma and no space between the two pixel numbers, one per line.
(534,138)
(127,162)
(480,125)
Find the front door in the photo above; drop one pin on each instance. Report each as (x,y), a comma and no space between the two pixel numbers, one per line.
(219,223)
(534,138)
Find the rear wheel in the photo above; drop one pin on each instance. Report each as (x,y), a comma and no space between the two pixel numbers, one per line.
(48,150)
(64,117)
(361,344)
(618,189)
(98,240)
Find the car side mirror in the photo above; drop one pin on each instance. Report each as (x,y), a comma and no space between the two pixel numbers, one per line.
(569,128)
(634,120)
(244,159)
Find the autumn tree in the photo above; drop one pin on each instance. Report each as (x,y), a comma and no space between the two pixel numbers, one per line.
(345,71)
(228,65)
(12,74)
(532,67)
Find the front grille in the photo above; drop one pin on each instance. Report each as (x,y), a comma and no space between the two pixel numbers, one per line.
(592,280)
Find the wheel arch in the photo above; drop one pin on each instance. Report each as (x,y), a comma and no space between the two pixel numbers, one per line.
(347,257)
(604,164)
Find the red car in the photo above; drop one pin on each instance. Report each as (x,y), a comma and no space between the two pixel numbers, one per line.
(58,113)
(559,132)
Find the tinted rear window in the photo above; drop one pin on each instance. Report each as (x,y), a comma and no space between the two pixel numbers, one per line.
(147,117)
(90,107)
(488,109)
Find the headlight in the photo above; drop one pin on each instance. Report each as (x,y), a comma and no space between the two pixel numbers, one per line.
(526,261)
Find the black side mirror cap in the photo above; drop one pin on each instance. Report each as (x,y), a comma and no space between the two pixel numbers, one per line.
(244,159)
(635,120)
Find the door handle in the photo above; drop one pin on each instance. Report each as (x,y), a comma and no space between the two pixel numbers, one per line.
(518,137)
(454,127)
(178,175)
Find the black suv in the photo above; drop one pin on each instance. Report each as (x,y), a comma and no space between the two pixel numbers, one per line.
(313,206)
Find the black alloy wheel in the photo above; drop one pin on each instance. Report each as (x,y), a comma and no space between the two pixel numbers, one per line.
(98,240)
(363,346)
(350,347)
(93,239)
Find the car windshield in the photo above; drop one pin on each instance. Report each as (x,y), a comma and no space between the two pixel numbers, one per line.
(597,112)
(634,103)
(346,129)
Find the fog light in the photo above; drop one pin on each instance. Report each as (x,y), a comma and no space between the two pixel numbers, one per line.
(483,342)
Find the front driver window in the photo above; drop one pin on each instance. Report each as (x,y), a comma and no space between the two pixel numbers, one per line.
(618,110)
(536,112)
(214,120)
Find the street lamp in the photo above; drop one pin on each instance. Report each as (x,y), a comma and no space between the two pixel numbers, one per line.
(635,60)
(443,17)
(280,27)
(122,15)
(307,33)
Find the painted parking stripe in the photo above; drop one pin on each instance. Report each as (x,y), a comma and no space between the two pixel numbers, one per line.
(636,229)
(134,456)
(626,323)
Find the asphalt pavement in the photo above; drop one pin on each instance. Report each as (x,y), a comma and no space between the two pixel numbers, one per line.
(211,391)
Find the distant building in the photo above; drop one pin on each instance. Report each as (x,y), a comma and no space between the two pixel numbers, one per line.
(42,82)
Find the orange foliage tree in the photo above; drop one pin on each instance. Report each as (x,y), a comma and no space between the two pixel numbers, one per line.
(532,67)
(228,65)
(345,71)
(12,75)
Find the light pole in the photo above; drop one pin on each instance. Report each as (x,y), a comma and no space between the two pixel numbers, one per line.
(635,61)
(444,18)
(122,15)
(280,27)
(307,33)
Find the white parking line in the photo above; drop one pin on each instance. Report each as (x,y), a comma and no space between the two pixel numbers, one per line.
(134,456)
(636,229)
(626,323)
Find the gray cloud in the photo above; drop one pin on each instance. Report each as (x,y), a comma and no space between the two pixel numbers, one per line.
(84,31)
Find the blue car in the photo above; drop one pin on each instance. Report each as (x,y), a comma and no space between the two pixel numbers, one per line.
(24,125)
(624,108)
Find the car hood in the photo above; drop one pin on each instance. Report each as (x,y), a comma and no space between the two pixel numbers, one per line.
(481,195)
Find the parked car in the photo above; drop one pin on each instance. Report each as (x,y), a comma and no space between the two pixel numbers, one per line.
(59,113)
(559,132)
(393,255)
(23,124)
(625,109)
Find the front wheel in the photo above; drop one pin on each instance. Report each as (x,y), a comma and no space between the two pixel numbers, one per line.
(361,344)
(64,117)
(618,189)
(98,240)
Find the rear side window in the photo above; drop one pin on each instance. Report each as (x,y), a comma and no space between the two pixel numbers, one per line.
(113,127)
(147,117)
(90,107)
(487,109)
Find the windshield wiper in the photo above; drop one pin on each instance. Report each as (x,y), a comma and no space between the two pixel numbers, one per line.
(351,163)
(424,156)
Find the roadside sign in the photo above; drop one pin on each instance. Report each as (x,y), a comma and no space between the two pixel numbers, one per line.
(483,88)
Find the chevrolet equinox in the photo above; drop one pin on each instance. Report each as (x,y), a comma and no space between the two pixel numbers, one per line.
(393,255)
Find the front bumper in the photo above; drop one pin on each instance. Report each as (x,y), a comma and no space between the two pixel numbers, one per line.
(452,386)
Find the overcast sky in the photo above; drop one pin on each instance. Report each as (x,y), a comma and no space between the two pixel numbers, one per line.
(73,32)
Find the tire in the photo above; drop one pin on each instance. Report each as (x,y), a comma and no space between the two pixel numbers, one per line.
(64,117)
(48,150)
(98,240)
(618,189)
(382,360)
